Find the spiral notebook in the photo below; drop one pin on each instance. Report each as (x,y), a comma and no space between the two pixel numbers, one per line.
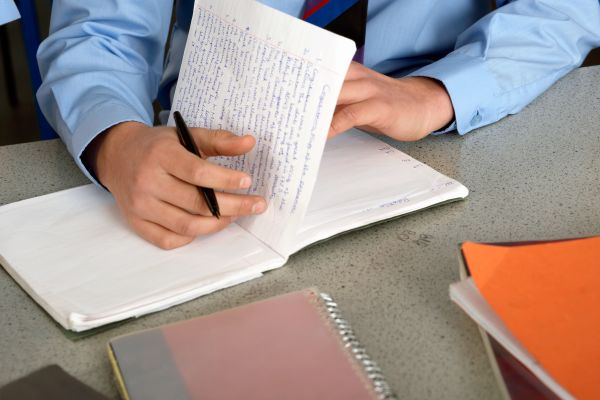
(294,346)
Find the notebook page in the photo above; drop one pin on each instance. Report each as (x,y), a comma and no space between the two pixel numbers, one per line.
(72,252)
(250,69)
(468,297)
(548,296)
(377,182)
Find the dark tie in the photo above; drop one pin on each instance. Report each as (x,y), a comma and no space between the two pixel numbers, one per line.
(344,17)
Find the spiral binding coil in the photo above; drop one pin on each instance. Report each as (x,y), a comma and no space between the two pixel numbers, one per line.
(372,370)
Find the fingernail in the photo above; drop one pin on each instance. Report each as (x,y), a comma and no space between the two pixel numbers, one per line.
(245,182)
(258,207)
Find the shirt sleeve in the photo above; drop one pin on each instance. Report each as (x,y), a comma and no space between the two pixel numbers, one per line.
(8,11)
(101,65)
(512,55)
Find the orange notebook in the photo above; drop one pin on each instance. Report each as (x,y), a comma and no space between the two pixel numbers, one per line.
(294,346)
(548,296)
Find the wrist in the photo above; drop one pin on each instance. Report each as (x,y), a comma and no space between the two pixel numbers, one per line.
(97,155)
(438,108)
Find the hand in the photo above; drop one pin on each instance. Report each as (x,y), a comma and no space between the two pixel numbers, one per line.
(404,109)
(153,177)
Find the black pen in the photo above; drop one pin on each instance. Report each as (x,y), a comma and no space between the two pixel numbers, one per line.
(186,140)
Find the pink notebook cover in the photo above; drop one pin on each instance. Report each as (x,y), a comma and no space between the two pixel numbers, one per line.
(294,346)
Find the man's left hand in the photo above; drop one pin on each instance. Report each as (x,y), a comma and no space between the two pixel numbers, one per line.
(405,109)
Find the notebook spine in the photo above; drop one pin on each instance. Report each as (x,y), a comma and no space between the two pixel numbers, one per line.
(370,367)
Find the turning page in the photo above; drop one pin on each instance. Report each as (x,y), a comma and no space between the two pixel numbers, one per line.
(469,298)
(248,68)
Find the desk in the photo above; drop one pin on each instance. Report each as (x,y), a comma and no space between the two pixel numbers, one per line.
(535,175)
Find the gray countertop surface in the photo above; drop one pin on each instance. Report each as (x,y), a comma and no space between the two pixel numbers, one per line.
(535,175)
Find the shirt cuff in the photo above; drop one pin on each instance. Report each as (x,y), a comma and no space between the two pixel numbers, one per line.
(103,117)
(449,128)
(473,89)
(8,11)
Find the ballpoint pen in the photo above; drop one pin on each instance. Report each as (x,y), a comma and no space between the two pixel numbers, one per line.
(188,142)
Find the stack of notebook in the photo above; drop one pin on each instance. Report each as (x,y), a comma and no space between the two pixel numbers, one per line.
(538,305)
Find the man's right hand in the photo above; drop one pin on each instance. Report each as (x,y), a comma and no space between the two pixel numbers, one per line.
(153,179)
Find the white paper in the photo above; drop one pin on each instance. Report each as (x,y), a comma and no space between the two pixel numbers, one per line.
(467,296)
(248,68)
(363,180)
(73,253)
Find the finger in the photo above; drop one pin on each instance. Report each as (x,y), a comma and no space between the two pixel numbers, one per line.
(357,114)
(193,170)
(183,223)
(158,235)
(218,142)
(355,91)
(357,71)
(187,197)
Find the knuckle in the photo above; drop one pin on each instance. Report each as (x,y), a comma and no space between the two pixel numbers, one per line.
(221,134)
(364,83)
(232,181)
(170,147)
(240,207)
(382,105)
(184,226)
(210,135)
(350,113)
(217,133)
(140,182)
(245,206)
(196,202)
(137,204)
(214,225)
(199,173)
(382,89)
(152,153)
(337,123)
(204,229)
(214,140)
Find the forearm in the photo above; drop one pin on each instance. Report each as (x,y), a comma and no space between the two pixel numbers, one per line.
(100,66)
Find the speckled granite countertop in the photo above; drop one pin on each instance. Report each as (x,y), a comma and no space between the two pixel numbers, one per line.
(535,175)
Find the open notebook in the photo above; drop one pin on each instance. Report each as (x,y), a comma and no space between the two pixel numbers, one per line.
(72,252)
(74,255)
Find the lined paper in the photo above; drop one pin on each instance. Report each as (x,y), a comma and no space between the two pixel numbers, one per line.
(248,68)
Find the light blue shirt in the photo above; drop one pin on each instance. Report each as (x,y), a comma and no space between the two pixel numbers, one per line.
(8,11)
(103,61)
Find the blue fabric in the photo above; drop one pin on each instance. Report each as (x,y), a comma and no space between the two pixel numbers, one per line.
(103,61)
(8,11)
